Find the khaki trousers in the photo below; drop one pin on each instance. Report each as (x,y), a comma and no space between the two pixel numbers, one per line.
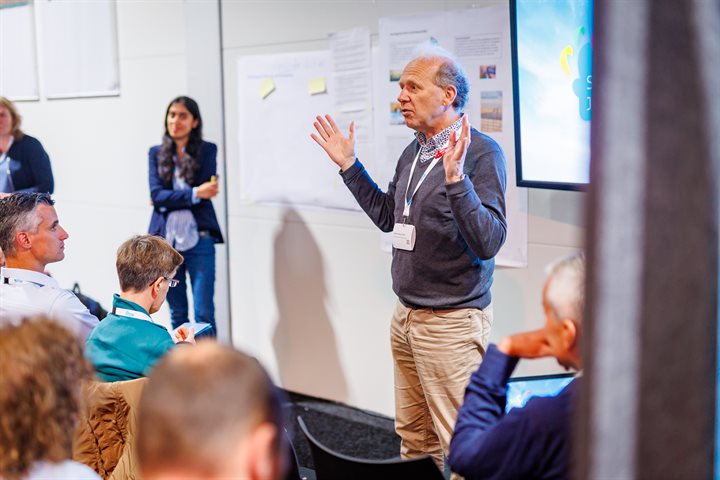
(435,352)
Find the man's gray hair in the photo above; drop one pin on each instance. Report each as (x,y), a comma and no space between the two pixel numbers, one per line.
(449,73)
(565,292)
(17,214)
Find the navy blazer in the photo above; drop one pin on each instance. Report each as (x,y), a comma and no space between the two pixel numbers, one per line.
(165,199)
(30,169)
(529,442)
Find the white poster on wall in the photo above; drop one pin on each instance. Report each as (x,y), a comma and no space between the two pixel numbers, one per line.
(351,82)
(480,38)
(18,61)
(278,98)
(80,53)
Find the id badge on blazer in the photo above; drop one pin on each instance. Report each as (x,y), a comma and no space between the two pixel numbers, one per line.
(404,236)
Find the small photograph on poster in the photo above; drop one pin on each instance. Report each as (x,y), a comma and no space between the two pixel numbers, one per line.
(396,117)
(487,71)
(395,75)
(491,111)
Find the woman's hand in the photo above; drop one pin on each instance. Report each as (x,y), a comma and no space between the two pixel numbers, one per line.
(207,190)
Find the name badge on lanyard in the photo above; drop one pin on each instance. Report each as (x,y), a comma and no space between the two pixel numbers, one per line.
(404,236)
(404,233)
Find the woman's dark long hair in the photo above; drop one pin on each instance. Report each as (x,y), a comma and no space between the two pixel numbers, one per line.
(190,163)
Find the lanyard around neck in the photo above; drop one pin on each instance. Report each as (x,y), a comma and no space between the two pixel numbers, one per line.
(124,312)
(408,201)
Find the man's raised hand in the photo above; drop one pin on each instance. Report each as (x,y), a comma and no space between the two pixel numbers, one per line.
(340,149)
(454,158)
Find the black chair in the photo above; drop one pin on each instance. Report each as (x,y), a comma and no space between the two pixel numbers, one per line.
(330,465)
(293,472)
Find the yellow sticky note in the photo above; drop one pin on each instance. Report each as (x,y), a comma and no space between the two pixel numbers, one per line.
(267,87)
(316,86)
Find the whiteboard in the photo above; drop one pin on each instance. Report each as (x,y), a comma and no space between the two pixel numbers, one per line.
(80,53)
(18,61)
(279,162)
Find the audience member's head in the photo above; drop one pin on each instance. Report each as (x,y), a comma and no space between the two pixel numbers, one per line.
(210,412)
(146,264)
(7,107)
(30,234)
(41,368)
(564,305)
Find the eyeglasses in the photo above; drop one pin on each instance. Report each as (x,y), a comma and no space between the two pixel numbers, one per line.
(172,282)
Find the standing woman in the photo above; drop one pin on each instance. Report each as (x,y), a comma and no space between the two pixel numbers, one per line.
(183,179)
(24,164)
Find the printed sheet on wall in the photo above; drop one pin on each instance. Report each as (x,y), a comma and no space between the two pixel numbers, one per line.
(279,96)
(480,38)
(18,61)
(80,53)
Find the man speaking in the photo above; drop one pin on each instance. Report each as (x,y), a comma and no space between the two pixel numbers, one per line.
(448,223)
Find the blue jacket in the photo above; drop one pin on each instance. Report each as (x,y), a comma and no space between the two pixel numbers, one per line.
(528,442)
(165,199)
(30,169)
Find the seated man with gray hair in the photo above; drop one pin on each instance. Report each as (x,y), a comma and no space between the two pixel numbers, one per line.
(210,412)
(128,342)
(31,237)
(534,441)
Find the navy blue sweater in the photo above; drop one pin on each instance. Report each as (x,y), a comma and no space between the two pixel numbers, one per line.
(529,442)
(460,227)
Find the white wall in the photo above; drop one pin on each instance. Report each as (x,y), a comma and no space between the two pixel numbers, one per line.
(309,291)
(98,146)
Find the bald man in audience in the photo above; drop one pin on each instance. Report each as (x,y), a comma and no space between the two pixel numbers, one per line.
(210,412)
(533,441)
(31,238)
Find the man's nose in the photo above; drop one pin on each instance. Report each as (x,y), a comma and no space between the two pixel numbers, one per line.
(64,235)
(402,96)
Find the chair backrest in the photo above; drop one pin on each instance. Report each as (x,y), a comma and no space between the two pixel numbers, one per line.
(105,437)
(293,472)
(332,465)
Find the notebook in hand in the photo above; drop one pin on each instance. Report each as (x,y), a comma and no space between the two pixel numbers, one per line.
(197,327)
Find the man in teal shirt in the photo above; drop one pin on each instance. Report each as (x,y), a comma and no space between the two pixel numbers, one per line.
(128,343)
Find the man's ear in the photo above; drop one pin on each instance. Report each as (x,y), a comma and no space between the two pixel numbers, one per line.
(155,287)
(569,333)
(22,239)
(450,94)
(266,460)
